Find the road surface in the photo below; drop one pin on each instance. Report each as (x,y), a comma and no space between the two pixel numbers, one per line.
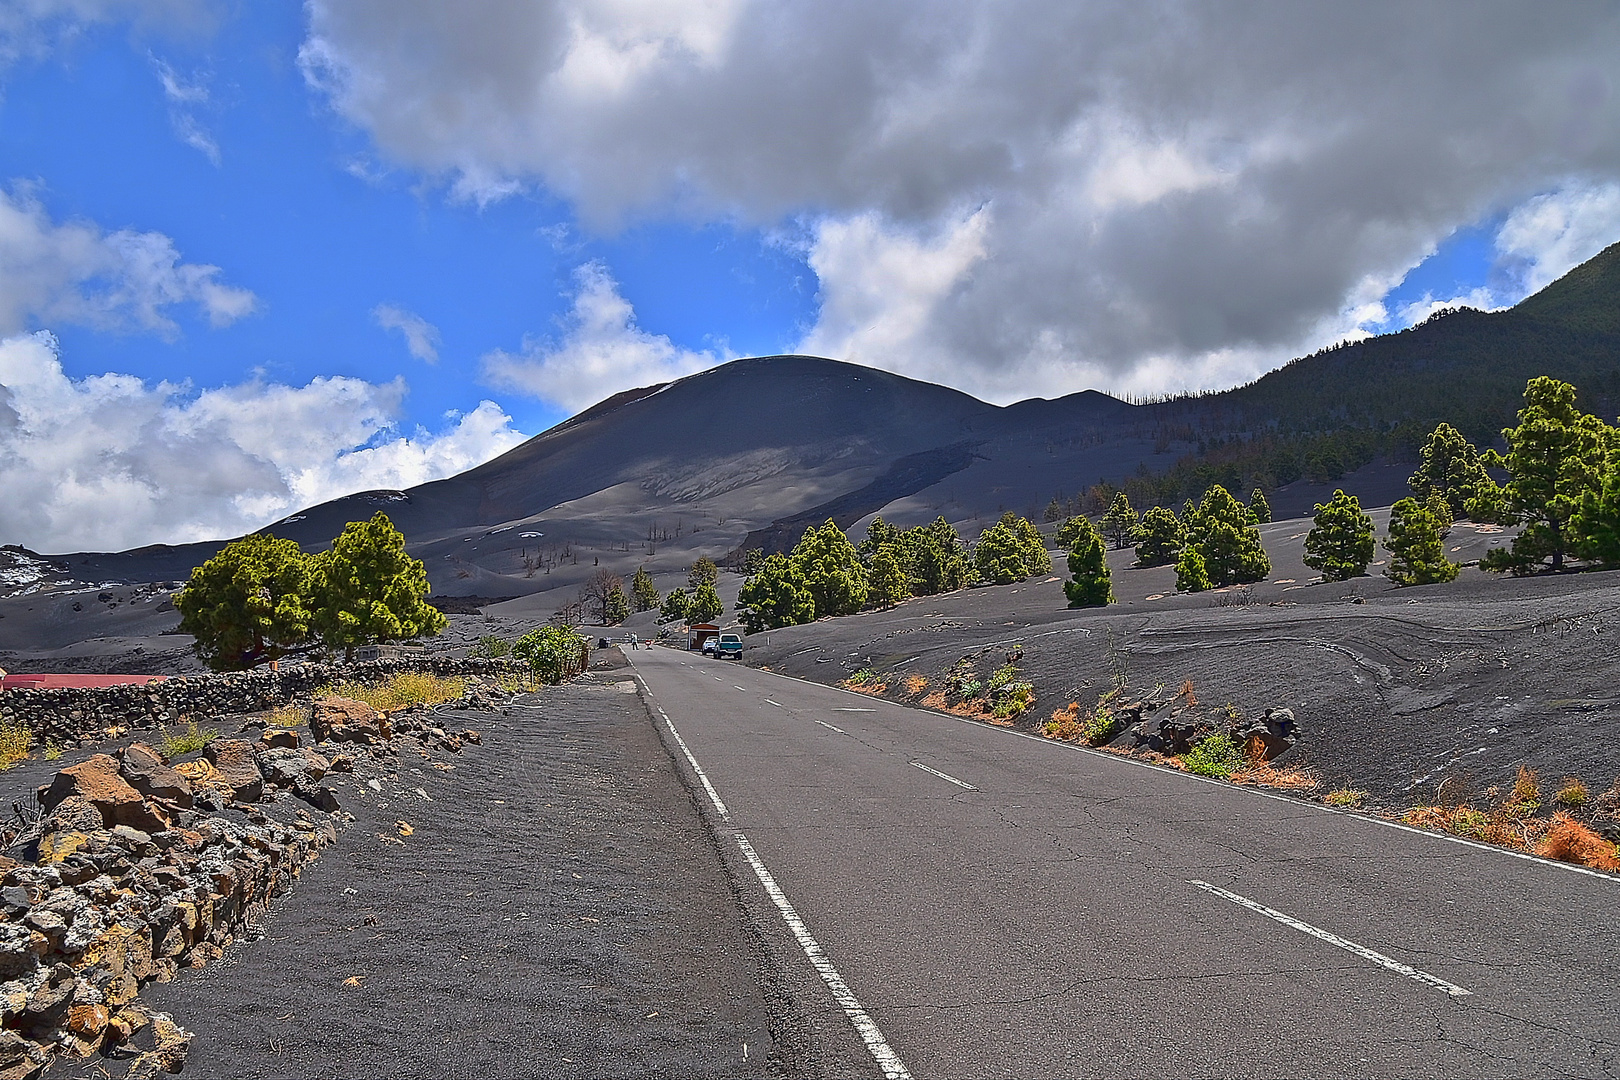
(973,902)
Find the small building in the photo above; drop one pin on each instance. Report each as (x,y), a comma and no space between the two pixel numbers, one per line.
(698,633)
(389,652)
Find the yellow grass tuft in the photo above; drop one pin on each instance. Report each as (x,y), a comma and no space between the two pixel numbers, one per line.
(916,684)
(15,739)
(403,690)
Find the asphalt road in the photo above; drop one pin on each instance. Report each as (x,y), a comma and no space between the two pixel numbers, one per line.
(1001,905)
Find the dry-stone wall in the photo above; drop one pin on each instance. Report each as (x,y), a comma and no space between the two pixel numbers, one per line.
(65,716)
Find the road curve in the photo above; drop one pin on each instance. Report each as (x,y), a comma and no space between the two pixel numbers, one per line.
(997,905)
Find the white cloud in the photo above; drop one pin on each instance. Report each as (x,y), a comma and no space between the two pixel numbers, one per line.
(602,351)
(1174,184)
(118,281)
(109,462)
(184,98)
(31,29)
(1549,235)
(421,336)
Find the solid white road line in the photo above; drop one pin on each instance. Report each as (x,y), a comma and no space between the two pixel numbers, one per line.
(942,776)
(1333,939)
(888,1060)
(828,726)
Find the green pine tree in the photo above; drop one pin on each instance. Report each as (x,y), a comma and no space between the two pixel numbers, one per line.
(705,605)
(369,590)
(831,569)
(887,580)
(1555,456)
(1158,538)
(878,534)
(643,592)
(1440,509)
(1191,574)
(1072,531)
(1417,555)
(1223,536)
(1090,584)
(1119,523)
(939,562)
(1451,468)
(999,557)
(1596,524)
(616,607)
(1031,545)
(675,605)
(775,597)
(1340,544)
(1259,507)
(253,601)
(703,572)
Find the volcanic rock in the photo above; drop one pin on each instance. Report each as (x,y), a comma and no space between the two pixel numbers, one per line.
(148,772)
(233,759)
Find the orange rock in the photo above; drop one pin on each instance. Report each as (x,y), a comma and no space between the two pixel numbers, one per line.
(88,1021)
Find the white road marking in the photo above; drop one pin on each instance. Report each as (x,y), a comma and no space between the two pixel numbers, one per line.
(717,678)
(778,704)
(854,710)
(942,776)
(1333,939)
(889,1061)
(824,724)
(735,686)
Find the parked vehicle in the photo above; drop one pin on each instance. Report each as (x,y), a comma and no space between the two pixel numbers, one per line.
(724,647)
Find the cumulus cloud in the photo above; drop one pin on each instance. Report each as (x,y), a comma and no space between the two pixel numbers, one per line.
(112,462)
(1176,187)
(119,281)
(601,351)
(421,336)
(1552,233)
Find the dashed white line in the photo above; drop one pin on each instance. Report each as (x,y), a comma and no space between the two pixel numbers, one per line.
(1333,939)
(888,1060)
(942,776)
(854,710)
(717,678)
(778,704)
(735,686)
(828,726)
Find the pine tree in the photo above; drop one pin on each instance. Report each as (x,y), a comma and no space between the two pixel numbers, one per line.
(1158,538)
(1451,468)
(878,534)
(999,557)
(1555,456)
(1259,507)
(1191,575)
(705,605)
(253,601)
(1417,556)
(703,572)
(831,569)
(1072,531)
(939,561)
(1031,545)
(775,597)
(368,589)
(1440,510)
(616,608)
(887,580)
(1090,584)
(643,592)
(1119,523)
(1340,545)
(1229,545)
(1596,524)
(675,605)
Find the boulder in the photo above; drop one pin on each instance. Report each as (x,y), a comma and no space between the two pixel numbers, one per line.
(97,782)
(288,768)
(1267,736)
(146,770)
(279,739)
(75,813)
(341,719)
(238,771)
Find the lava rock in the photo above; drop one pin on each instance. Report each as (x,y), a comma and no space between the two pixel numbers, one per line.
(233,758)
(148,772)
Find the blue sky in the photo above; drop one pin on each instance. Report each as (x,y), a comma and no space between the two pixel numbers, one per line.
(253,256)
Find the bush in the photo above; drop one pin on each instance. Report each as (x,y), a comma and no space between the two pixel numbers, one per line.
(1345,797)
(1215,755)
(1567,840)
(15,739)
(491,647)
(550,652)
(188,742)
(1571,793)
(1340,543)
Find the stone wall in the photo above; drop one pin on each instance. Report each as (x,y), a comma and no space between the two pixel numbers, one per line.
(65,716)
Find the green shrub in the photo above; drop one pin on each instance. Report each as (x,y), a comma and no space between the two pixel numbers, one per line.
(1215,755)
(188,742)
(491,647)
(549,651)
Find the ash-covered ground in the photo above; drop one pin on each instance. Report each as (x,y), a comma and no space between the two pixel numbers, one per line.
(1393,689)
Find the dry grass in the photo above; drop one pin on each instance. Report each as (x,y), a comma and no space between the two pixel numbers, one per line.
(936,700)
(1345,797)
(15,739)
(1567,840)
(1526,789)
(1284,777)
(1500,826)
(875,689)
(916,684)
(1066,724)
(288,716)
(403,690)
